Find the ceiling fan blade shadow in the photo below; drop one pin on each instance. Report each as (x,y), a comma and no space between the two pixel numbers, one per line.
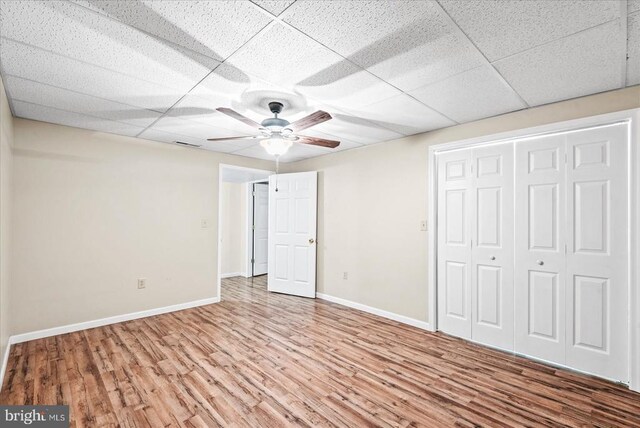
(236,138)
(309,121)
(361,121)
(244,119)
(157,25)
(314,141)
(396,43)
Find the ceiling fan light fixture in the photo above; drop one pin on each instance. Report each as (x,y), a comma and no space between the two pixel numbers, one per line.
(276,146)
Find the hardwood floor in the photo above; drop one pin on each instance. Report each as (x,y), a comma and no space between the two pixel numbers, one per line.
(260,359)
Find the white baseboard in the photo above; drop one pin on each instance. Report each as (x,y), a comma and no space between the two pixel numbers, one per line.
(39,334)
(232,274)
(375,311)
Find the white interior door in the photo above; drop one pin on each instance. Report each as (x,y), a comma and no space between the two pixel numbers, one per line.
(597,267)
(540,248)
(292,233)
(492,246)
(260,228)
(454,243)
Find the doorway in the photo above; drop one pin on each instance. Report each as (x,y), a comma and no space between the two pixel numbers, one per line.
(242,224)
(258,241)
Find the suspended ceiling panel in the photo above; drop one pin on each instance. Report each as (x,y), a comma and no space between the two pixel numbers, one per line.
(383,69)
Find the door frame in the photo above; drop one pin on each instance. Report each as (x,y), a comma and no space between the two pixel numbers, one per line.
(221,168)
(632,118)
(249,223)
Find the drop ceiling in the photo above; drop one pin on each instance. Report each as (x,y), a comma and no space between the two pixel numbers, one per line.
(384,69)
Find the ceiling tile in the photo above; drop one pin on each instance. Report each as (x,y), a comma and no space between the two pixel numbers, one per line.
(471,95)
(56,70)
(355,129)
(407,43)
(194,129)
(285,57)
(256,151)
(582,64)
(275,7)
(52,115)
(633,46)
(213,28)
(403,114)
(203,112)
(167,137)
(77,33)
(504,27)
(50,96)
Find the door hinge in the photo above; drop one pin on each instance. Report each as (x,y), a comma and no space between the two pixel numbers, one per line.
(566,158)
(253,261)
(565,248)
(253,227)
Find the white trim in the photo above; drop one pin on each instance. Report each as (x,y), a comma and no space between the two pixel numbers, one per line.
(5,361)
(232,274)
(634,253)
(633,117)
(249,224)
(70,328)
(375,311)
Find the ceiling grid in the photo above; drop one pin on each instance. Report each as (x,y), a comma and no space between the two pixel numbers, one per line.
(158,70)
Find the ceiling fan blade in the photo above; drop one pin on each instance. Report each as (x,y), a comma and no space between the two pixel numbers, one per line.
(234,138)
(309,121)
(244,119)
(332,144)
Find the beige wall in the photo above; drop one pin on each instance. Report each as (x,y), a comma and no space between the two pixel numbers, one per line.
(372,199)
(93,212)
(6,161)
(233,239)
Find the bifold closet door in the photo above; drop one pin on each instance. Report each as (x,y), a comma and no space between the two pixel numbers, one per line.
(540,248)
(454,243)
(597,245)
(492,246)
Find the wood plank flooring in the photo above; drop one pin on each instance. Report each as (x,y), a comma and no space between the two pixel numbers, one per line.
(260,359)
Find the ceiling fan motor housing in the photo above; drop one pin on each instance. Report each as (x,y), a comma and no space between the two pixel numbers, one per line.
(275,124)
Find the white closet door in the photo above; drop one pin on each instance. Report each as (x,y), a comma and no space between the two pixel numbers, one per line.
(540,248)
(454,243)
(597,282)
(492,247)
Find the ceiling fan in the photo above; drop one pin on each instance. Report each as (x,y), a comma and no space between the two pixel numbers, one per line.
(276,134)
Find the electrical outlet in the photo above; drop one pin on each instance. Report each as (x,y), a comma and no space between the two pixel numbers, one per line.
(423,225)
(204,223)
(345,275)
(142,283)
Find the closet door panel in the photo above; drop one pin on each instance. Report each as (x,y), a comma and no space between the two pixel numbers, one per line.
(597,270)
(454,243)
(492,249)
(540,248)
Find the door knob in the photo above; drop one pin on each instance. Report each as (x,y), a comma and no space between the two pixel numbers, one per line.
(492,258)
(540,262)
(311,241)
